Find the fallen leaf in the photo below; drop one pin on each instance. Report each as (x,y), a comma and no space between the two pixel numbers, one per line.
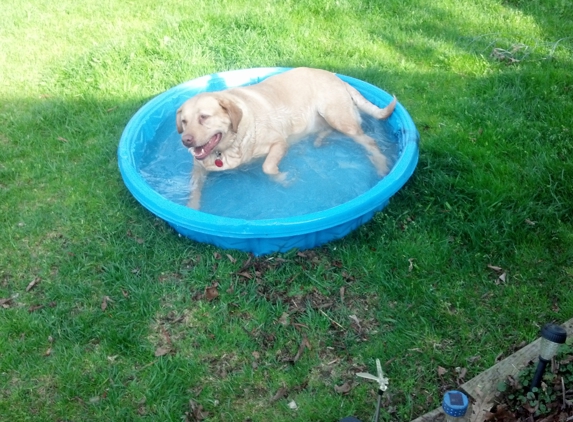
(502,278)
(344,388)
(495,268)
(166,336)
(62,139)
(196,412)
(216,255)
(211,292)
(284,319)
(231,258)
(280,394)
(531,223)
(162,351)
(411,266)
(356,320)
(303,344)
(473,359)
(462,372)
(33,283)
(5,303)
(35,308)
(499,413)
(342,291)
(104,302)
(48,352)
(292,405)
(442,371)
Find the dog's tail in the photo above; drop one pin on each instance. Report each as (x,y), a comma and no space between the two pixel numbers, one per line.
(369,108)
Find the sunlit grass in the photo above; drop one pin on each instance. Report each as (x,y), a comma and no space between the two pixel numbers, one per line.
(104,313)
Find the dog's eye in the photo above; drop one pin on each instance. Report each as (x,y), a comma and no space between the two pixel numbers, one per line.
(203,117)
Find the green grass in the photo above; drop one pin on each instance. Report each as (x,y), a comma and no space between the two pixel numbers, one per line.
(493,188)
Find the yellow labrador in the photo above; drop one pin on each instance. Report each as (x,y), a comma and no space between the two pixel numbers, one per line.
(225,129)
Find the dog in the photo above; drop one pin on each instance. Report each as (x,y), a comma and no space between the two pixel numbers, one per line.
(225,129)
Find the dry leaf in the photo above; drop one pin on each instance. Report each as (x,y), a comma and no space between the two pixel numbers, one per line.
(196,412)
(33,283)
(344,388)
(462,372)
(411,266)
(35,308)
(233,260)
(211,292)
(282,393)
(104,302)
(473,359)
(5,303)
(292,405)
(303,344)
(356,320)
(499,413)
(62,139)
(442,371)
(48,352)
(162,351)
(502,278)
(284,319)
(495,268)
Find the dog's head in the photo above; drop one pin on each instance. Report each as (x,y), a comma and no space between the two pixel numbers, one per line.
(206,121)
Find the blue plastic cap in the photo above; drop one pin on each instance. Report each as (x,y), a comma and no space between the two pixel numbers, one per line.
(455,403)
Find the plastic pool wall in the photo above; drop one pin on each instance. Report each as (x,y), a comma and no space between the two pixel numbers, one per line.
(262,236)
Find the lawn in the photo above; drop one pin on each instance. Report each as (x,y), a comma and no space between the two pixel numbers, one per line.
(106,314)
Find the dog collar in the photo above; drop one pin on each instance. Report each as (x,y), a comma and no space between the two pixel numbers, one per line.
(218,161)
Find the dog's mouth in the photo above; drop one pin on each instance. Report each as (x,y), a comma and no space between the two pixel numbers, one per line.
(204,150)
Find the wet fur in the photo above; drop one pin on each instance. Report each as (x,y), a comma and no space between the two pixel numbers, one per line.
(262,120)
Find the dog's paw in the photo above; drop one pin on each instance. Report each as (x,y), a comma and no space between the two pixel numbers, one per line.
(193,203)
(381,164)
(281,178)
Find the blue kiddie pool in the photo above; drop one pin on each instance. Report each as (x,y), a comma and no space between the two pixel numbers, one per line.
(330,190)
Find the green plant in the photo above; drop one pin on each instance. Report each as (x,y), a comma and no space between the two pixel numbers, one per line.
(552,397)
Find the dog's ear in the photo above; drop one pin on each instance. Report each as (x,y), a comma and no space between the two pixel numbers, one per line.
(235,113)
(178,120)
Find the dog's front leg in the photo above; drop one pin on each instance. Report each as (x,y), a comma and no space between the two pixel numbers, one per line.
(274,157)
(198,176)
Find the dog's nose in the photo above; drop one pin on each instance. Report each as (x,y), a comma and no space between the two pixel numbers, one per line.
(188,140)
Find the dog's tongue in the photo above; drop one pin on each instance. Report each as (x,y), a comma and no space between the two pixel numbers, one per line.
(203,151)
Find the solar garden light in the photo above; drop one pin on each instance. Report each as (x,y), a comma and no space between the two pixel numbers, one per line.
(455,405)
(552,336)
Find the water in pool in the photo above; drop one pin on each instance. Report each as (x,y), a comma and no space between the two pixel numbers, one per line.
(318,178)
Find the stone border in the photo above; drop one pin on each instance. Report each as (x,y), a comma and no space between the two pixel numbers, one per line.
(482,388)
